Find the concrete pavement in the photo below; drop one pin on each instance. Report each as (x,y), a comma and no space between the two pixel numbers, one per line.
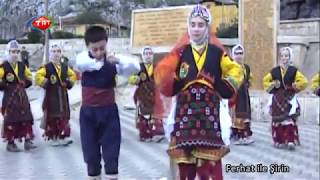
(148,161)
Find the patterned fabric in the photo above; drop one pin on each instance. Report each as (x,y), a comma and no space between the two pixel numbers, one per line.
(146,97)
(242,109)
(197,132)
(286,78)
(16,111)
(243,105)
(197,118)
(149,127)
(283,134)
(56,101)
(280,106)
(144,128)
(15,104)
(204,169)
(17,130)
(149,104)
(241,131)
(57,128)
(145,93)
(187,171)
(209,169)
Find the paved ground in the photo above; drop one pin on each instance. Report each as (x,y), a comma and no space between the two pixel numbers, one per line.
(148,161)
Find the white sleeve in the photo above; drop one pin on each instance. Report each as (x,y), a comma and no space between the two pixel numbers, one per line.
(169,122)
(225,121)
(127,67)
(85,63)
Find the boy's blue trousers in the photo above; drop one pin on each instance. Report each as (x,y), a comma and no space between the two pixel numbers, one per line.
(100,136)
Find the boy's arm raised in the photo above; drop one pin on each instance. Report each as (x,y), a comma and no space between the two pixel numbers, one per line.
(126,66)
(85,63)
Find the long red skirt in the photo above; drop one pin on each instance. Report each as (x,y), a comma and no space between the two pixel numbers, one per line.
(149,127)
(17,130)
(285,133)
(57,128)
(204,170)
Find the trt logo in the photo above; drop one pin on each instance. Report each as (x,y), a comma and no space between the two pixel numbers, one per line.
(42,23)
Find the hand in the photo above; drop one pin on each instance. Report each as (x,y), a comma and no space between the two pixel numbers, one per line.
(45,80)
(44,83)
(273,84)
(63,84)
(22,83)
(294,86)
(113,60)
(277,83)
(137,80)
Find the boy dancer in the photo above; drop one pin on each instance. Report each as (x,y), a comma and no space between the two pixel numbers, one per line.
(99,116)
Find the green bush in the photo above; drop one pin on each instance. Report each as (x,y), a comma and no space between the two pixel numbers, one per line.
(89,17)
(228,30)
(23,41)
(34,36)
(79,36)
(3,41)
(62,35)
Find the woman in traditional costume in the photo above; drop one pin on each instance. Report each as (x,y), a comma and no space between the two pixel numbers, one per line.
(284,82)
(199,74)
(15,77)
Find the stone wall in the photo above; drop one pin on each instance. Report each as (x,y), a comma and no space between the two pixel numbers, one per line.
(304,38)
(296,9)
(72,47)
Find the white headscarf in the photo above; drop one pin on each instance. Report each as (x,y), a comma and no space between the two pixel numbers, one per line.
(51,56)
(13,44)
(289,49)
(235,48)
(202,12)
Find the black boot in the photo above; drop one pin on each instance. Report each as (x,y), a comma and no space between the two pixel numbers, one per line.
(12,147)
(28,144)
